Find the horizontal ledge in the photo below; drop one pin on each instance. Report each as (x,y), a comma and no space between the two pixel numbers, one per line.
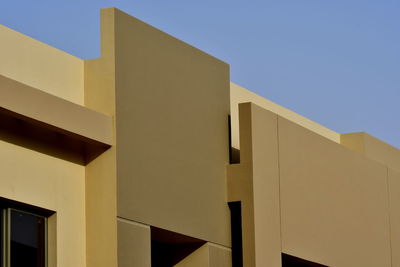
(49,124)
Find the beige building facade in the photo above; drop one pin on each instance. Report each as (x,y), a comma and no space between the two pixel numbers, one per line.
(150,156)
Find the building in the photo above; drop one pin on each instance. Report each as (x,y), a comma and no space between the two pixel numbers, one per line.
(149,156)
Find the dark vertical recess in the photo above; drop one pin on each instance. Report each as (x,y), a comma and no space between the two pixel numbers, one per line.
(1,237)
(234,154)
(236,233)
(230,138)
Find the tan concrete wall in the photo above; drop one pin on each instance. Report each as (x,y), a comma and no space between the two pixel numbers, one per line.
(240,188)
(219,256)
(53,111)
(255,182)
(208,255)
(334,202)
(101,173)
(242,95)
(373,148)
(44,181)
(172,132)
(337,207)
(302,193)
(41,66)
(198,258)
(39,179)
(394,208)
(266,187)
(134,244)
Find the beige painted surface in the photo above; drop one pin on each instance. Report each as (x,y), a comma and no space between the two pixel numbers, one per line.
(240,188)
(101,225)
(353,141)
(301,192)
(198,258)
(266,187)
(101,173)
(208,255)
(35,178)
(334,202)
(54,111)
(242,95)
(172,132)
(219,256)
(240,185)
(134,244)
(394,207)
(40,66)
(40,180)
(255,182)
(373,148)
(52,240)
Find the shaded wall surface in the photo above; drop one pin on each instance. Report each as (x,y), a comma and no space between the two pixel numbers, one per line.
(334,202)
(331,205)
(170,104)
(172,107)
(37,179)
(27,174)
(159,187)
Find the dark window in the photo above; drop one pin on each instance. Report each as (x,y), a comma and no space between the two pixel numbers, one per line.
(27,239)
(23,234)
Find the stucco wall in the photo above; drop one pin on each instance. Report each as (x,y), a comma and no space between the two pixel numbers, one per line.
(172,107)
(239,94)
(44,181)
(334,202)
(336,206)
(41,66)
(39,179)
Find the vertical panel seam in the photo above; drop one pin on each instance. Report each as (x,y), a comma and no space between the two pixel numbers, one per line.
(389,215)
(279,180)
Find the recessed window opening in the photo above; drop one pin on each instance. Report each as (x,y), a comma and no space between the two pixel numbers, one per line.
(23,233)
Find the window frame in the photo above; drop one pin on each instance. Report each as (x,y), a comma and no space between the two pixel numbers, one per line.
(6,208)
(3,237)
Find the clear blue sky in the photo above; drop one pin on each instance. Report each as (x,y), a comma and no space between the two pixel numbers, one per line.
(336,62)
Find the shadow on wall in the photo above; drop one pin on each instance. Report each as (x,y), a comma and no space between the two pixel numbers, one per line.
(291,261)
(34,135)
(168,248)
